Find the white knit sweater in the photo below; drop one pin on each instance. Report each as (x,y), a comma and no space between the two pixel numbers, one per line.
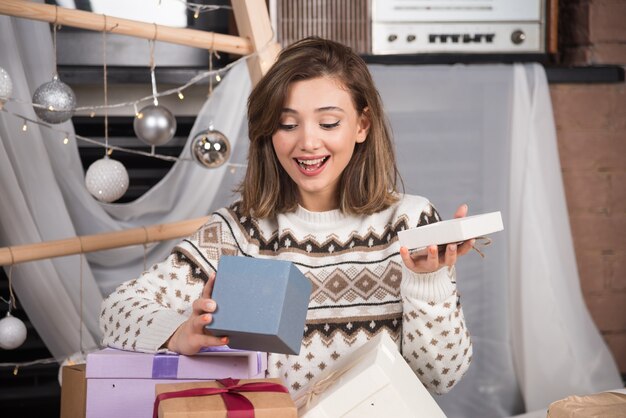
(360,288)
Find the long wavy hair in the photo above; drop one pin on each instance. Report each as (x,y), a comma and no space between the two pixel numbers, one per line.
(369,182)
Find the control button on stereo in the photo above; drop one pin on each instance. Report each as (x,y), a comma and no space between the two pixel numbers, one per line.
(410,38)
(392,38)
(518,36)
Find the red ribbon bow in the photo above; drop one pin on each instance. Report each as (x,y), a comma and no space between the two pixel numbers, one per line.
(237,405)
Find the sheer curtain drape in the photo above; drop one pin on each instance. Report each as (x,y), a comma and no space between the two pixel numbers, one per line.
(482,135)
(43,195)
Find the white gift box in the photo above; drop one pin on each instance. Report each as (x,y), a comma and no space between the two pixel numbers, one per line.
(375,381)
(451,231)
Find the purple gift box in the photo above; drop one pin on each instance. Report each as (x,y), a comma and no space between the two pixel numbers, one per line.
(121,383)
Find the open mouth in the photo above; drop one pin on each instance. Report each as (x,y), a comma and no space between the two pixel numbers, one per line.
(312,164)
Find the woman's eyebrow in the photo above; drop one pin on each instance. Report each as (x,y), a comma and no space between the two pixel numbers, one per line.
(330,108)
(318,110)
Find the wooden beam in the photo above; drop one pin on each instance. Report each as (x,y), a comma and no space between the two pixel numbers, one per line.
(253,23)
(97,242)
(97,22)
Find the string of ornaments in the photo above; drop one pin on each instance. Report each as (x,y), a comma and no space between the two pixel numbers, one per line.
(54,103)
(12,329)
(107,179)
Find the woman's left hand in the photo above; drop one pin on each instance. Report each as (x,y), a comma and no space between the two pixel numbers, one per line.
(433,260)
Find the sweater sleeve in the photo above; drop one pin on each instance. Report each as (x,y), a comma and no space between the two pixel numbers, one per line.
(141,314)
(435,340)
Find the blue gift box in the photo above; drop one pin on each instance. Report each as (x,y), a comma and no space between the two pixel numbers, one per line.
(261,304)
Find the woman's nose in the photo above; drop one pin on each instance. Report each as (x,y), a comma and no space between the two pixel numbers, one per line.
(310,139)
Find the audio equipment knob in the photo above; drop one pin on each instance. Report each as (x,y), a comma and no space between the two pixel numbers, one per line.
(518,36)
(410,38)
(392,38)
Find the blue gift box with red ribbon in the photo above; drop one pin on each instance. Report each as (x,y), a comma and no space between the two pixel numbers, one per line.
(121,383)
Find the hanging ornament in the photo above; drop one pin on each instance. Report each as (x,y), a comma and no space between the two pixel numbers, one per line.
(107,179)
(12,332)
(210,148)
(57,99)
(6,86)
(154,125)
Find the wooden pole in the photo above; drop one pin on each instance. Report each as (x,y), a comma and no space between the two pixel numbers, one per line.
(97,22)
(106,241)
(253,22)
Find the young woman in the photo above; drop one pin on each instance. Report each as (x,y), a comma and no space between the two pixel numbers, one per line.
(320,191)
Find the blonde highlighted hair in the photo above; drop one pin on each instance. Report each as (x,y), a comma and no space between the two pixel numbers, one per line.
(369,182)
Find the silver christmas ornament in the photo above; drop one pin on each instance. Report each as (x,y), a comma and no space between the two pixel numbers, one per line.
(57,99)
(107,180)
(155,125)
(6,86)
(210,148)
(12,332)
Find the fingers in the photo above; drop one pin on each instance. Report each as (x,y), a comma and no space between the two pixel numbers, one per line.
(192,336)
(198,322)
(432,258)
(406,257)
(466,247)
(450,255)
(461,211)
(207,290)
(421,263)
(202,336)
(210,341)
(203,305)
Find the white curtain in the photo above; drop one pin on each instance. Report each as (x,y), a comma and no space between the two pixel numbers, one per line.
(482,135)
(43,195)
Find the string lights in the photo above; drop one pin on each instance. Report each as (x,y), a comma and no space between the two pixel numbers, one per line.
(216,73)
(175,90)
(69,106)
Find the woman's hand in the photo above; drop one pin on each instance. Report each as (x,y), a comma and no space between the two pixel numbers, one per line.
(433,260)
(190,337)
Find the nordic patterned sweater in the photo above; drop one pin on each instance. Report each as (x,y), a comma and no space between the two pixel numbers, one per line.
(360,288)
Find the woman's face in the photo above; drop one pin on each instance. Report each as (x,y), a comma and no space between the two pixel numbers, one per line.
(319,127)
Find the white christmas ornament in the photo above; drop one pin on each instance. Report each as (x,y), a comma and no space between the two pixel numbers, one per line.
(6,86)
(107,179)
(12,332)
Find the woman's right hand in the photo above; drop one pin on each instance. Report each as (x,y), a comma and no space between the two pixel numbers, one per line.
(190,337)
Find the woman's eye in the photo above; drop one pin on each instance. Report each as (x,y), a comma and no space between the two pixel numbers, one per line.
(287,126)
(329,125)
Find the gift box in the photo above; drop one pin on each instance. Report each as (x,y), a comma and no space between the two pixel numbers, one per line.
(604,404)
(375,381)
(261,304)
(249,398)
(121,383)
(451,231)
(73,391)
